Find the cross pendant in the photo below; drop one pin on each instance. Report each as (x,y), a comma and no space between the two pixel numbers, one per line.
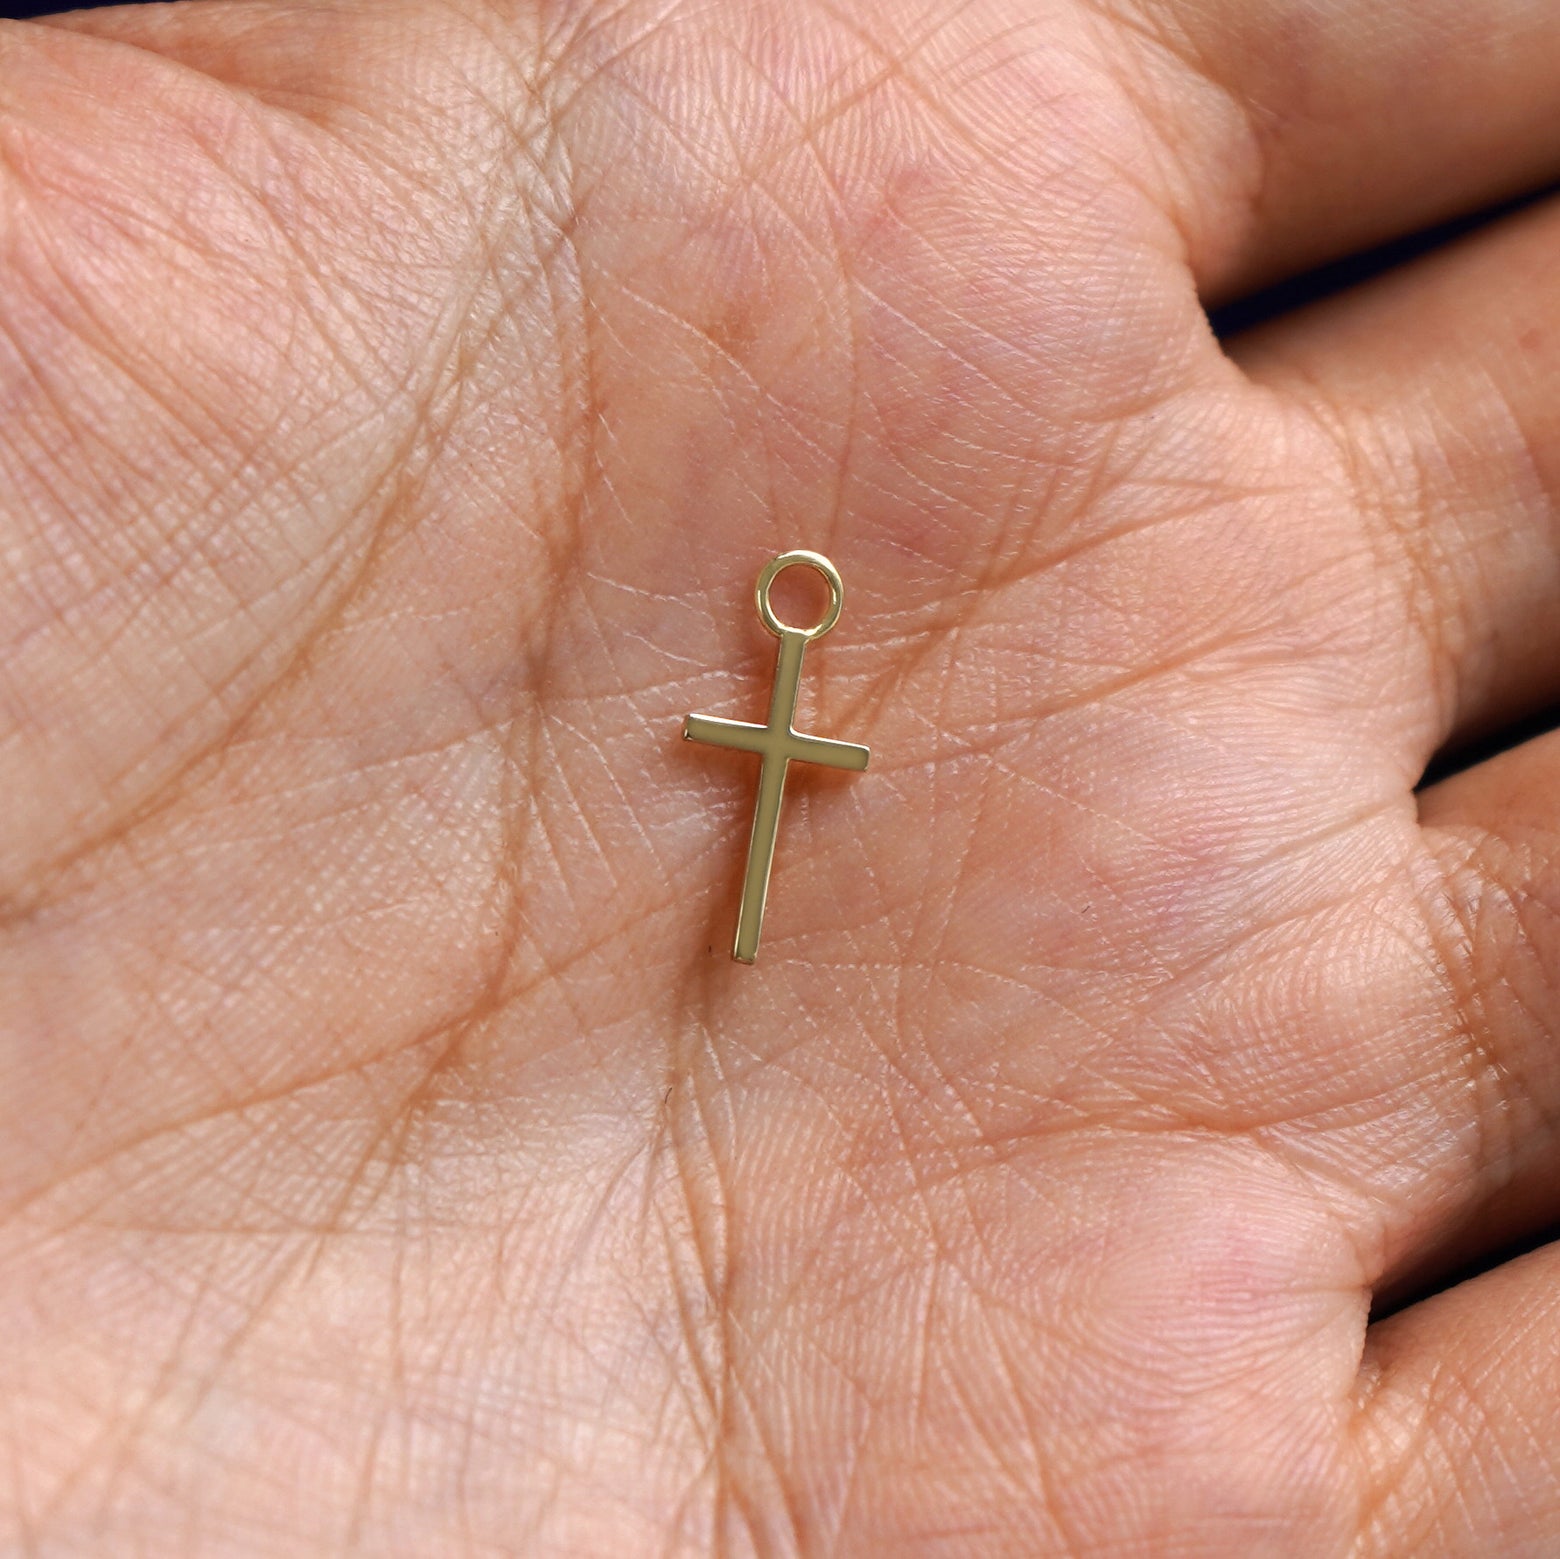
(777,742)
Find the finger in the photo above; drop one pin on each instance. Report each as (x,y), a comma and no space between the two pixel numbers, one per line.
(1494,837)
(1436,391)
(1461,1429)
(1313,131)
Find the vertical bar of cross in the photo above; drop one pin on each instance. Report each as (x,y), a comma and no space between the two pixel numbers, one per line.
(771,793)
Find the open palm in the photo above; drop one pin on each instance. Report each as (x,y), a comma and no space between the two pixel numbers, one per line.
(397,401)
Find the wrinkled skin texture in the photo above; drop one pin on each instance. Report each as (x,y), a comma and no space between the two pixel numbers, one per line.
(397,401)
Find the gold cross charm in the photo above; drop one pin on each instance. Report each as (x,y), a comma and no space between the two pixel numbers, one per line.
(777,742)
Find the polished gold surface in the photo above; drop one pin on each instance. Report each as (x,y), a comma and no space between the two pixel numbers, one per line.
(777,741)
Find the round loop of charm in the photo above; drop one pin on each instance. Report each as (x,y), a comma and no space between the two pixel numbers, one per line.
(803,559)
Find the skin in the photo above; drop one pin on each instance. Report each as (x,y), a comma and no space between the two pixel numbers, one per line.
(397,401)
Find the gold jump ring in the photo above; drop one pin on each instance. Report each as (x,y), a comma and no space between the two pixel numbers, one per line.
(812,560)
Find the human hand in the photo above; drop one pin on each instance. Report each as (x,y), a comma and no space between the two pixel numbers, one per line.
(398,401)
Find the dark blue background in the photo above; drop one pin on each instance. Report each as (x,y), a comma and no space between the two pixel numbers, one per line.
(12,8)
